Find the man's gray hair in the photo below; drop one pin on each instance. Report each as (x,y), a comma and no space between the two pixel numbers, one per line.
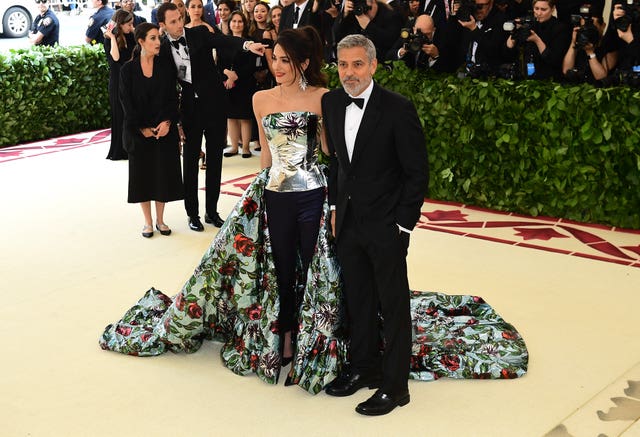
(357,40)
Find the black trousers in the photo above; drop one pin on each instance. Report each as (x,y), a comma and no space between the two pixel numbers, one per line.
(374,271)
(199,120)
(293,219)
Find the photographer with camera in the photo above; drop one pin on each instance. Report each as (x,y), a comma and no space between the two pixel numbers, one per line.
(585,59)
(372,18)
(543,41)
(419,47)
(623,43)
(481,39)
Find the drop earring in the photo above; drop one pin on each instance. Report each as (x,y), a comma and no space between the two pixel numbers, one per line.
(302,82)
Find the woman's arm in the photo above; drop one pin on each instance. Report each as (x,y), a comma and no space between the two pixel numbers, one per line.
(259,100)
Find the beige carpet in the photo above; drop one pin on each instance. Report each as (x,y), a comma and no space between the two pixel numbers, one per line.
(73,260)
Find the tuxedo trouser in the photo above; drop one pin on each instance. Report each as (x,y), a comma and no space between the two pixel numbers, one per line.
(374,270)
(293,219)
(197,121)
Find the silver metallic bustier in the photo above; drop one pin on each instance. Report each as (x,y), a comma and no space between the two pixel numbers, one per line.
(293,142)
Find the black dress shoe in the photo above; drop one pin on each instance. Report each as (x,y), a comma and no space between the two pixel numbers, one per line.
(195,224)
(348,384)
(382,403)
(214,220)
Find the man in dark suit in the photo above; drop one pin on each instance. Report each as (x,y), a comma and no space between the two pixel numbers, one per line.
(203,105)
(378,179)
(428,56)
(436,10)
(300,13)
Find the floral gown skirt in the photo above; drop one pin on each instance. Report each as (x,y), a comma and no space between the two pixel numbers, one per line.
(232,297)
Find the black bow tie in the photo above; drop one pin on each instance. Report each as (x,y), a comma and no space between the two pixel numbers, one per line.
(357,101)
(176,43)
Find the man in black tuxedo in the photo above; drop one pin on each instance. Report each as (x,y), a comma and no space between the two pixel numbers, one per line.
(378,179)
(300,13)
(436,10)
(203,105)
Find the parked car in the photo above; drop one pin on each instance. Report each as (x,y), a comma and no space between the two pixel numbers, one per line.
(16,17)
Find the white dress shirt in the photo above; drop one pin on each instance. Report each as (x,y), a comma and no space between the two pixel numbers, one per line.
(181,58)
(300,11)
(352,118)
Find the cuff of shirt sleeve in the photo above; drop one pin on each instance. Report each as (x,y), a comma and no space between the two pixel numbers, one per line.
(332,207)
(245,45)
(404,229)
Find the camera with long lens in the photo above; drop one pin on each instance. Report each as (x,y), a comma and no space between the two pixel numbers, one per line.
(587,33)
(360,7)
(520,28)
(413,42)
(466,9)
(632,14)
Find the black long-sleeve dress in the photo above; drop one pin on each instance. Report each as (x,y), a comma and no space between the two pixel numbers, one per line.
(240,96)
(154,164)
(116,151)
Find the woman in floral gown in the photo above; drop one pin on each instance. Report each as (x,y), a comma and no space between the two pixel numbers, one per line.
(239,295)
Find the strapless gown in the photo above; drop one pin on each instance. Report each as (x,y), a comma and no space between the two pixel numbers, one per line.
(232,298)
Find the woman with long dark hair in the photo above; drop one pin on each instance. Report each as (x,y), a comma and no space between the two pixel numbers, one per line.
(118,46)
(150,102)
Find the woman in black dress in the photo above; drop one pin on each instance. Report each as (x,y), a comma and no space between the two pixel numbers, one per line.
(150,102)
(118,45)
(239,67)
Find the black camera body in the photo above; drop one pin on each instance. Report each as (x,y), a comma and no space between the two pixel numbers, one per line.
(520,28)
(466,9)
(587,32)
(413,42)
(360,7)
(632,14)
(327,4)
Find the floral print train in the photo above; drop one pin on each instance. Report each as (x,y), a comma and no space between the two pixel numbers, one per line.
(232,298)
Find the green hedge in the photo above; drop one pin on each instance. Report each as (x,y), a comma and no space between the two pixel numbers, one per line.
(535,148)
(47,92)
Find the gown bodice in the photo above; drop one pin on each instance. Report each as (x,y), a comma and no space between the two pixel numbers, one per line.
(293,143)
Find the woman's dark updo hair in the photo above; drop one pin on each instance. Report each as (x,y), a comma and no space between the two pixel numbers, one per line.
(301,44)
(140,33)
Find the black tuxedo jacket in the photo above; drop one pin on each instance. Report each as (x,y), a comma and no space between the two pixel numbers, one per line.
(307,18)
(387,178)
(206,80)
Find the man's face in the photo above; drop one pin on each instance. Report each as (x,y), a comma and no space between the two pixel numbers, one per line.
(42,6)
(483,9)
(173,23)
(413,6)
(96,3)
(355,69)
(127,5)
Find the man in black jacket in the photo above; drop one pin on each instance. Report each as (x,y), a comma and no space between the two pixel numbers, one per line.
(425,56)
(203,105)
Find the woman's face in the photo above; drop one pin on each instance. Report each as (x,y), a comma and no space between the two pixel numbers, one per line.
(195,9)
(542,10)
(260,13)
(151,43)
(275,17)
(236,25)
(413,6)
(224,12)
(282,66)
(618,11)
(249,6)
(285,3)
(127,27)
(181,7)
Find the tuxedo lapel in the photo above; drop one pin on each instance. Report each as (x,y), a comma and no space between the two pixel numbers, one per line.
(338,115)
(370,119)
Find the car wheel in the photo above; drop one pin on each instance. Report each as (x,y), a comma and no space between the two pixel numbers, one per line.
(16,22)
